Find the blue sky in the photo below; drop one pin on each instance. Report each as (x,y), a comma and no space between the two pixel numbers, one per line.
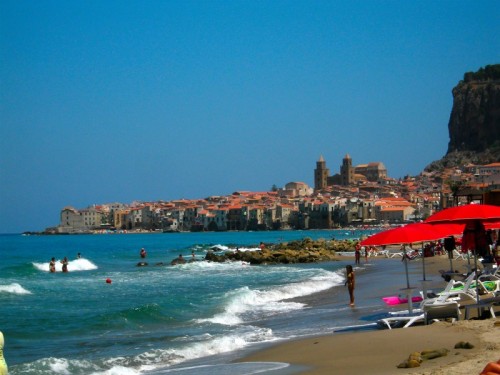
(116,101)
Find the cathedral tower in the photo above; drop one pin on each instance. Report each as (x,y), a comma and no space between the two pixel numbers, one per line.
(346,171)
(320,174)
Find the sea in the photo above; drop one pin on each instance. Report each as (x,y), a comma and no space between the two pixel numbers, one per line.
(108,315)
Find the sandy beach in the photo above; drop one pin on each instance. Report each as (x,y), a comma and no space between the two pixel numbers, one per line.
(380,351)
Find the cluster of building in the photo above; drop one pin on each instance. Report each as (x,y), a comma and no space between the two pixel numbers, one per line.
(357,195)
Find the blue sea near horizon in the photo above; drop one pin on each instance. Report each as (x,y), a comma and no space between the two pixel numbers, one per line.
(160,317)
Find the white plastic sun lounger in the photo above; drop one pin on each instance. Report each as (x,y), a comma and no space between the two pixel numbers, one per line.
(401,320)
(405,319)
(441,310)
(458,255)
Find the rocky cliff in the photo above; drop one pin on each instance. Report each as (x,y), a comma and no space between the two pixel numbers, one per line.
(475,117)
(474,125)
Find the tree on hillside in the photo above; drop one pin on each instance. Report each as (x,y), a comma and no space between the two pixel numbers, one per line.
(455,187)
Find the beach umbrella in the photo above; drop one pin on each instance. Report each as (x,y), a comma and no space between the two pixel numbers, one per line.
(475,216)
(465,213)
(492,224)
(412,233)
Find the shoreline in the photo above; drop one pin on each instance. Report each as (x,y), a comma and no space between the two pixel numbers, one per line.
(378,351)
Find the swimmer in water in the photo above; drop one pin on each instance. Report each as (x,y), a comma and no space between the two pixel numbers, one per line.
(52,265)
(64,263)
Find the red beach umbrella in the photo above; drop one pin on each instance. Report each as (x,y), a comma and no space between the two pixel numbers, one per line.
(465,213)
(476,216)
(492,224)
(418,232)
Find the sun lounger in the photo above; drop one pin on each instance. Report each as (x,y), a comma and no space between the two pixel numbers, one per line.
(446,304)
(374,253)
(458,255)
(406,319)
(484,304)
(441,310)
(403,321)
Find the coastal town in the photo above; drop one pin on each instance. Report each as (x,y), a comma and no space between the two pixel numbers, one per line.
(357,195)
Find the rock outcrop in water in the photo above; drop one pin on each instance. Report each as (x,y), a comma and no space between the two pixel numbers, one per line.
(302,251)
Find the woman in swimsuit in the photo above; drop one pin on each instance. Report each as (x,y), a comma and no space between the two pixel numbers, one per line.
(350,282)
(64,264)
(52,265)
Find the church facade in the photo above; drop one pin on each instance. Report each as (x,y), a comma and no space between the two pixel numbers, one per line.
(349,174)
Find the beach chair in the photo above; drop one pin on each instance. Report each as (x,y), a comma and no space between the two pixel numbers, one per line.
(484,304)
(442,310)
(384,253)
(458,255)
(406,319)
(468,299)
(403,321)
(496,273)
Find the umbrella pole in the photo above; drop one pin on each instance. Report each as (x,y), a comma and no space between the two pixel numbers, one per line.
(408,289)
(450,256)
(468,262)
(477,284)
(406,268)
(424,281)
(423,260)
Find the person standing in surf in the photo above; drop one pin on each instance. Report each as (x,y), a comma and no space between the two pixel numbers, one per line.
(52,265)
(350,282)
(64,264)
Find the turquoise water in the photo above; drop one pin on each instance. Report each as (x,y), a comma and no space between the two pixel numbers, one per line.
(157,317)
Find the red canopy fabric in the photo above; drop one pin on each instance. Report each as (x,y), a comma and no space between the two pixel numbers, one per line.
(419,232)
(492,224)
(483,212)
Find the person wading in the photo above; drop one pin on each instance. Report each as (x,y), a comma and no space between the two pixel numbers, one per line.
(351,283)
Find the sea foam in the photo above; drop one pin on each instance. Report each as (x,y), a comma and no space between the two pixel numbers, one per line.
(13,288)
(246,301)
(81,264)
(237,339)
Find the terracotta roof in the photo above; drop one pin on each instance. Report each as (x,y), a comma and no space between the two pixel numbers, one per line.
(385,209)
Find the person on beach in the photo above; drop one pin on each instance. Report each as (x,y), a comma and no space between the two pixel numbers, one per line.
(64,263)
(365,248)
(491,368)
(350,282)
(357,255)
(143,253)
(3,365)
(52,265)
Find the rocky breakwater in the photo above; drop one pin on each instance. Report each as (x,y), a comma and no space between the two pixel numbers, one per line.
(301,251)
